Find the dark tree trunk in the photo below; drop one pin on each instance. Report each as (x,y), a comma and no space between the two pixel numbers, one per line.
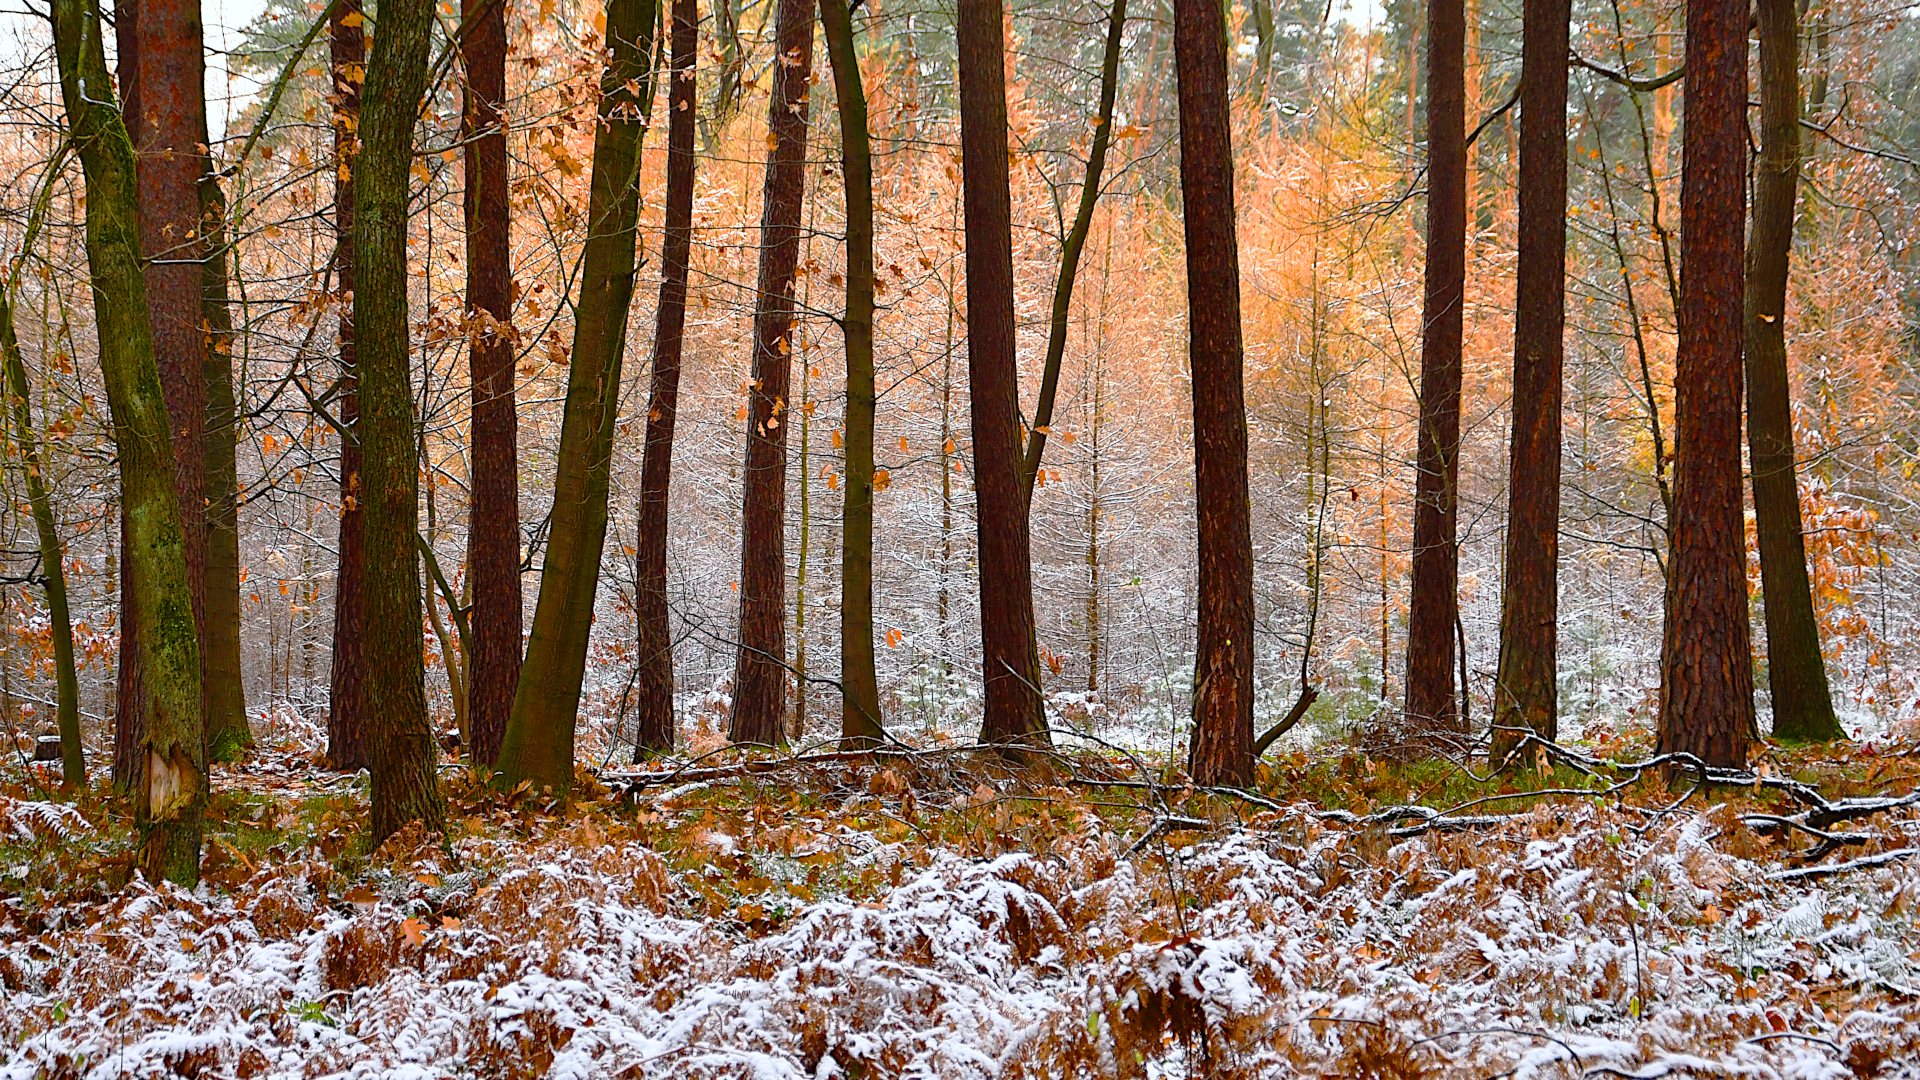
(493,537)
(1431,707)
(1222,747)
(860,718)
(401,755)
(539,741)
(1706,684)
(1010,660)
(347,705)
(1796,670)
(228,734)
(759,671)
(654,687)
(1525,687)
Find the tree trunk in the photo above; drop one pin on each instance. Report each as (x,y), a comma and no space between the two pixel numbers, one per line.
(860,721)
(655,697)
(759,671)
(1010,661)
(1431,707)
(493,537)
(1706,685)
(539,739)
(1796,670)
(1527,681)
(1222,748)
(228,734)
(347,703)
(400,750)
(170,799)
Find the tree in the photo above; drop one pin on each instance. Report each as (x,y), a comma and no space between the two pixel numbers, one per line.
(346,704)
(539,740)
(1431,707)
(1706,669)
(493,536)
(655,661)
(401,754)
(1796,670)
(1015,707)
(227,730)
(860,722)
(170,796)
(1221,751)
(759,672)
(1527,682)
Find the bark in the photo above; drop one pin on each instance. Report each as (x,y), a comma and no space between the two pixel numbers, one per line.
(1431,707)
(228,734)
(493,537)
(1796,670)
(655,685)
(539,741)
(1015,708)
(759,671)
(170,798)
(1706,685)
(401,755)
(1222,748)
(1527,681)
(860,720)
(347,704)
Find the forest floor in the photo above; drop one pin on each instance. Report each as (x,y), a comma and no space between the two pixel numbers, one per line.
(940,914)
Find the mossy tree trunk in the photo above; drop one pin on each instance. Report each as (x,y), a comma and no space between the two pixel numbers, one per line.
(228,733)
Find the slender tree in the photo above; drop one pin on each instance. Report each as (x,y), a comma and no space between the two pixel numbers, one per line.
(401,754)
(1706,683)
(1431,707)
(493,533)
(1796,670)
(759,671)
(1524,690)
(539,741)
(170,796)
(1221,751)
(860,720)
(228,733)
(1015,708)
(654,686)
(347,704)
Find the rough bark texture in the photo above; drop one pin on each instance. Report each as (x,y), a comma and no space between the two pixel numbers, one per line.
(539,741)
(654,686)
(228,734)
(759,671)
(860,719)
(401,755)
(1222,748)
(1010,661)
(347,703)
(170,798)
(1431,708)
(1526,685)
(493,536)
(1706,684)
(1796,670)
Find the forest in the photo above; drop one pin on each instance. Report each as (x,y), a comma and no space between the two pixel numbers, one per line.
(960,538)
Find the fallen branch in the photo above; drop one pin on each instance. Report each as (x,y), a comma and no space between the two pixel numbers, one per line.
(1862,863)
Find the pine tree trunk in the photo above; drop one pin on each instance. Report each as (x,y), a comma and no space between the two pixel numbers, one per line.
(539,739)
(228,734)
(1222,748)
(401,755)
(1796,670)
(1431,707)
(1706,685)
(759,671)
(170,798)
(1526,685)
(493,537)
(347,702)
(860,720)
(655,685)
